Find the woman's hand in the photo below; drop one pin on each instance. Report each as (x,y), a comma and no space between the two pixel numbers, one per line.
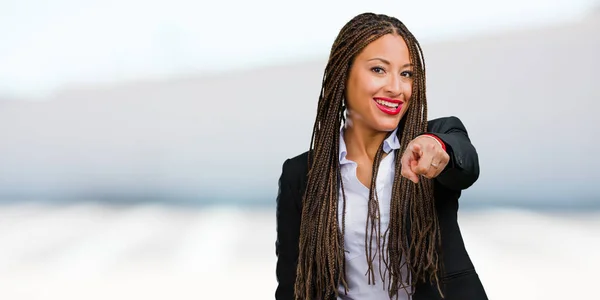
(424,156)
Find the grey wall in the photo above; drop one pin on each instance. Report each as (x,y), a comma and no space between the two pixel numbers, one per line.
(528,98)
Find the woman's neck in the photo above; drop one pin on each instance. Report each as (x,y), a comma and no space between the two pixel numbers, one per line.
(362,143)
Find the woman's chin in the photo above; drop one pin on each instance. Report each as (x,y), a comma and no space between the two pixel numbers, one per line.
(387,125)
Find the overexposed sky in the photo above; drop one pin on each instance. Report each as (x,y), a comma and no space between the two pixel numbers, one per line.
(48,44)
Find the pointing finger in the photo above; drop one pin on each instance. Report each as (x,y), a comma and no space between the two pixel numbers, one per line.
(407,161)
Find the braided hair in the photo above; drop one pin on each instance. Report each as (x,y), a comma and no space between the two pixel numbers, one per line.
(413,235)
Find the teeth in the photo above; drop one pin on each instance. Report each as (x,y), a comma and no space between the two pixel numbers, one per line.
(388,104)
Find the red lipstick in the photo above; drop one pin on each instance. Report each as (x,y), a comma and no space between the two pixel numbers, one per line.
(389,106)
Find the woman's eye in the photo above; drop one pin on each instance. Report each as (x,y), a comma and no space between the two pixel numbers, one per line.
(378,70)
(407,74)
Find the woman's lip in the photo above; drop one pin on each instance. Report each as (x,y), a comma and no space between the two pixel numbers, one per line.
(389,100)
(389,110)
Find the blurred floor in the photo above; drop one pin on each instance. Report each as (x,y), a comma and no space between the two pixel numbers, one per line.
(90,251)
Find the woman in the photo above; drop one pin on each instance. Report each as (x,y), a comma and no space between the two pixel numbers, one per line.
(370,211)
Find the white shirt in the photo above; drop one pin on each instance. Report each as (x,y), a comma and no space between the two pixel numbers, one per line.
(357,197)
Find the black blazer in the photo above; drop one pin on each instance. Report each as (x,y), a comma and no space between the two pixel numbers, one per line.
(460,281)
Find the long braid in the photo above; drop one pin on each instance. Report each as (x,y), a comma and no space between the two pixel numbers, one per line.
(321,266)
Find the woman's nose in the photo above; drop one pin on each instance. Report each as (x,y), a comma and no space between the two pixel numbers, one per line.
(394,86)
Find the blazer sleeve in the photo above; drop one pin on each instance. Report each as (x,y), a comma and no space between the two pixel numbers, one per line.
(288,216)
(463,168)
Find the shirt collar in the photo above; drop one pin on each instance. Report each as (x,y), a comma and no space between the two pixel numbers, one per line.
(389,144)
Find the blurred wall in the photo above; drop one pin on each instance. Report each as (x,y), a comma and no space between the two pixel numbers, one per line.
(527,97)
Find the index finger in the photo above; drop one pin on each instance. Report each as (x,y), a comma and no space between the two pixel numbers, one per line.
(406,170)
(424,162)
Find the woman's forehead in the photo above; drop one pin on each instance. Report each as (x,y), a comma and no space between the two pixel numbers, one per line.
(391,48)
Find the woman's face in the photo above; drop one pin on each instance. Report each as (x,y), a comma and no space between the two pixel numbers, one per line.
(380,84)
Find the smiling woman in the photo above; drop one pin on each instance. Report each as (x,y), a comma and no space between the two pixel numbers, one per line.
(369,212)
(383,72)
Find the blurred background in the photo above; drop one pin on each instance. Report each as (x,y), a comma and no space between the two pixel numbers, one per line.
(141,141)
